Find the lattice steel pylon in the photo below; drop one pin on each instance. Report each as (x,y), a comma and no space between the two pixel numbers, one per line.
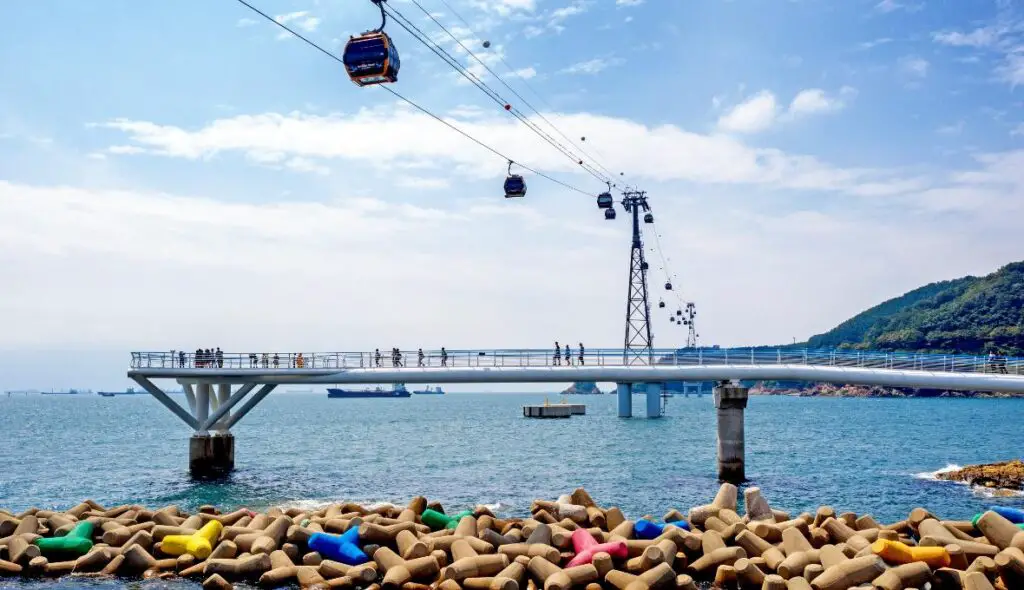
(639,341)
(689,319)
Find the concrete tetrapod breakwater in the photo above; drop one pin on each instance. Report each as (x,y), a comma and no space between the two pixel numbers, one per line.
(568,543)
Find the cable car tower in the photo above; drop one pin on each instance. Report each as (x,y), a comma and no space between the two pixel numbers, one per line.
(689,321)
(639,340)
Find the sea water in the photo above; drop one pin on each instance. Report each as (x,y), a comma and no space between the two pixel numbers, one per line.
(874,456)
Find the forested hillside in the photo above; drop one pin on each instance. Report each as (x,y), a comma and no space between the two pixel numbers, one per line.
(967,315)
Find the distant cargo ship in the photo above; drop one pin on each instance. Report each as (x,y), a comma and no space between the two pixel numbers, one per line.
(398,390)
(68,392)
(129,391)
(428,391)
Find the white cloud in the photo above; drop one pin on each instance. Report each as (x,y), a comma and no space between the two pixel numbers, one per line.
(532,31)
(245,22)
(302,275)
(592,66)
(953,129)
(874,43)
(980,37)
(887,6)
(301,20)
(757,113)
(1018,130)
(125,149)
(628,2)
(913,66)
(1011,70)
(813,101)
(523,73)
(404,138)
(505,7)
(576,8)
(423,183)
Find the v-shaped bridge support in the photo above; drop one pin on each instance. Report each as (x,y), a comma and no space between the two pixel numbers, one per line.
(211,454)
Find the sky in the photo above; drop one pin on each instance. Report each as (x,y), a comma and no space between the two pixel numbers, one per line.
(176,175)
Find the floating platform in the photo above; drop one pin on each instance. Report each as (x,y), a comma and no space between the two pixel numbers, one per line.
(554,410)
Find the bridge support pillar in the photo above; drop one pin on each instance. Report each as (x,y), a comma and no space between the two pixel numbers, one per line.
(625,392)
(731,402)
(211,456)
(654,399)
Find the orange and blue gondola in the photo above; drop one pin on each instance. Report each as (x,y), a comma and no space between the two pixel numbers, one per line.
(371,58)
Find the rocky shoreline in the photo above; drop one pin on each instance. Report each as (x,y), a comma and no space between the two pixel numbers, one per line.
(833,390)
(1006,475)
(571,542)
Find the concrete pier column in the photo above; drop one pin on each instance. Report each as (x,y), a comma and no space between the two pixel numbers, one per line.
(654,400)
(730,401)
(625,391)
(211,455)
(223,394)
(202,404)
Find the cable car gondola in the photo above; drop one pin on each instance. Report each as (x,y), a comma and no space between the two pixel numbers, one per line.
(372,58)
(661,304)
(609,214)
(679,312)
(515,186)
(649,218)
(604,200)
(668,286)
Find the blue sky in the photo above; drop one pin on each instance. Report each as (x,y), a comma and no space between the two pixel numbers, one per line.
(175,175)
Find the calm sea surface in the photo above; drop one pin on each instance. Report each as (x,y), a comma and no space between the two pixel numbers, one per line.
(864,455)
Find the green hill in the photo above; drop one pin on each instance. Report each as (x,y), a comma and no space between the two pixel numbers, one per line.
(967,315)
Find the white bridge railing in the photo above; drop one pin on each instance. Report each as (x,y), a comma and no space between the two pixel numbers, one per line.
(605,357)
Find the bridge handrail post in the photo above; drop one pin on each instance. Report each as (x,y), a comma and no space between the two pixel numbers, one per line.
(675,357)
(727,356)
(805,356)
(752,356)
(778,356)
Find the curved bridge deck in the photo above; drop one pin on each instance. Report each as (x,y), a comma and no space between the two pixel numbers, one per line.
(209,407)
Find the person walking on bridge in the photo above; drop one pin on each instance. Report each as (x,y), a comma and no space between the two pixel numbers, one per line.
(181,359)
(581,354)
(568,355)
(557,358)
(220,358)
(376,357)
(419,359)
(444,357)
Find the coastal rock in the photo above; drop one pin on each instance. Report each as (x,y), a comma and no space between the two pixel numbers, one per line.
(1006,475)
(582,388)
(834,390)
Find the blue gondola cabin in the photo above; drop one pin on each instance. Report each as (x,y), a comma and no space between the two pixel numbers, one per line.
(515,186)
(371,58)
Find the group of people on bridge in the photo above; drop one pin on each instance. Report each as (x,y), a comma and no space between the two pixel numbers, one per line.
(203,358)
(996,363)
(556,359)
(396,358)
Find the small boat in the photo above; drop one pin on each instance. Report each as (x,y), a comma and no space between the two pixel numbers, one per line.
(106,393)
(430,391)
(398,390)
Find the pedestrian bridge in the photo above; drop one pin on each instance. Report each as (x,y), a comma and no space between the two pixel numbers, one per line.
(221,391)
